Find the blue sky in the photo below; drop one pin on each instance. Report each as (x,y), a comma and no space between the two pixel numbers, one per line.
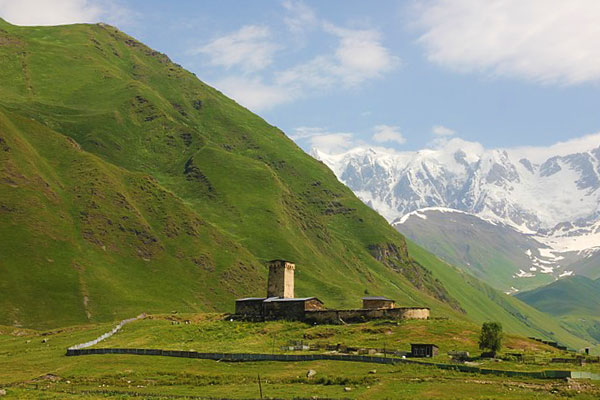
(397,74)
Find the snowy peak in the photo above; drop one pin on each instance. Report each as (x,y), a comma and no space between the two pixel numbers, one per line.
(551,192)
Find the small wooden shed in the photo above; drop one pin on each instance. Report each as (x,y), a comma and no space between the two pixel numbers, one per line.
(423,350)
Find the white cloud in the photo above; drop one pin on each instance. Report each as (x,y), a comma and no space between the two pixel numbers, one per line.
(253,93)
(62,12)
(317,74)
(387,133)
(546,41)
(540,154)
(440,130)
(299,16)
(333,143)
(251,48)
(360,55)
(56,12)
(325,141)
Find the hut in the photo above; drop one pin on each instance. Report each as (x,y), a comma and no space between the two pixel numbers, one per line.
(423,350)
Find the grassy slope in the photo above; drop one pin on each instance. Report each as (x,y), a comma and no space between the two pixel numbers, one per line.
(589,266)
(483,303)
(128,185)
(576,300)
(27,360)
(211,333)
(34,369)
(492,253)
(575,295)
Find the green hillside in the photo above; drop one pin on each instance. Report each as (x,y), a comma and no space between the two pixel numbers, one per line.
(574,295)
(484,303)
(493,253)
(575,300)
(34,365)
(128,185)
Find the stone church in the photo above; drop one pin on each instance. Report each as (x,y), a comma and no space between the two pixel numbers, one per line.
(281,303)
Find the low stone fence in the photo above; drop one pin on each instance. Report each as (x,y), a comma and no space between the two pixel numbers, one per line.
(239,357)
(107,334)
(340,348)
(578,360)
(360,315)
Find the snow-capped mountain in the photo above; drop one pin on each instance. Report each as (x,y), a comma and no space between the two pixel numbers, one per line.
(550,194)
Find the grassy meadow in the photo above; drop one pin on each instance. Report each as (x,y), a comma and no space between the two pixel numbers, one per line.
(34,365)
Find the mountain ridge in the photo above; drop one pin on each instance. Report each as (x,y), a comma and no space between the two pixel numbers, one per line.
(552,197)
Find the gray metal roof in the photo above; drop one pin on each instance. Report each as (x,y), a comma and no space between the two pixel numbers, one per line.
(251,299)
(280,299)
(377,298)
(424,344)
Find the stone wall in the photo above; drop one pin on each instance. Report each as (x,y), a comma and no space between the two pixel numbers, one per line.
(249,307)
(289,310)
(379,303)
(360,315)
(313,304)
(107,334)
(237,357)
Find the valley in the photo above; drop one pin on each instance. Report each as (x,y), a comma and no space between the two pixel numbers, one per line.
(128,187)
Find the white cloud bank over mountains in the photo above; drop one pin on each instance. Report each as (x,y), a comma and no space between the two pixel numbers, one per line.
(545,41)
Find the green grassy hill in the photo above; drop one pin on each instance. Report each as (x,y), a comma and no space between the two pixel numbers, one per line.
(128,185)
(575,295)
(493,253)
(34,365)
(484,303)
(576,300)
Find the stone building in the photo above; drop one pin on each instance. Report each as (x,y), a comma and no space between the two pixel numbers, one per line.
(280,303)
(423,350)
(377,302)
(249,307)
(292,309)
(281,279)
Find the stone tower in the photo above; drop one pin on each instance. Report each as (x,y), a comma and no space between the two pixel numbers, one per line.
(281,279)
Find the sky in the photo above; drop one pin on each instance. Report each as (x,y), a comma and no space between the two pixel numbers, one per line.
(397,74)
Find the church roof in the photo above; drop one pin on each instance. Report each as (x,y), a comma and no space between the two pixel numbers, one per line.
(282,299)
(252,299)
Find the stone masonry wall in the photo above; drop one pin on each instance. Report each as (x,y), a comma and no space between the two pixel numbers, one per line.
(368,304)
(339,316)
